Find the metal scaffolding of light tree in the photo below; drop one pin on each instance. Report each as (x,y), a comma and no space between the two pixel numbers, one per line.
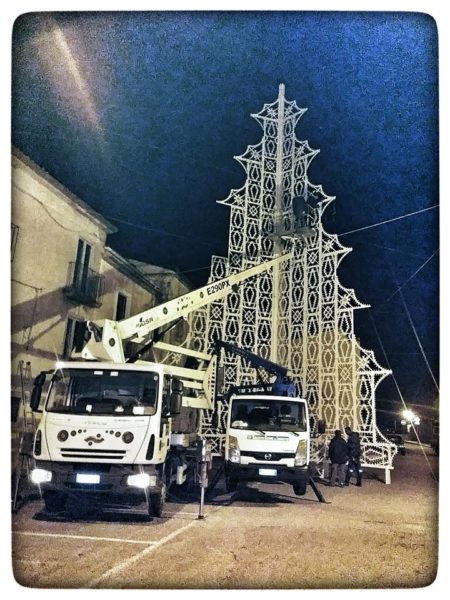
(299,314)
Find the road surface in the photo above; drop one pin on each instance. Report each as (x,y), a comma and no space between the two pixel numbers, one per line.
(262,536)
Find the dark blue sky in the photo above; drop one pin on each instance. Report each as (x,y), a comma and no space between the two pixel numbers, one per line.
(140,115)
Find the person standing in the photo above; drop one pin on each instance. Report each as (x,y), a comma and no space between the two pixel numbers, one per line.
(354,457)
(337,452)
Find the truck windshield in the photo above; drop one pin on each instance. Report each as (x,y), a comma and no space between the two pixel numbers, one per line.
(268,415)
(103,392)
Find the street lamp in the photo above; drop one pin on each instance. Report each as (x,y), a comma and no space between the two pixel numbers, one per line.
(409,418)
(408,415)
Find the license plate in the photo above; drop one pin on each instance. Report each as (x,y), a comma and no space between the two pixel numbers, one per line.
(271,472)
(87,478)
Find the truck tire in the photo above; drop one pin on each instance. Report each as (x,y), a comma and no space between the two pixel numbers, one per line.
(157,502)
(300,488)
(54,501)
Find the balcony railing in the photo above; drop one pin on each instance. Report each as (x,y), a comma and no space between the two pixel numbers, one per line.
(84,286)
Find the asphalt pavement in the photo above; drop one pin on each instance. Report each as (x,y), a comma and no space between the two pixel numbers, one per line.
(262,536)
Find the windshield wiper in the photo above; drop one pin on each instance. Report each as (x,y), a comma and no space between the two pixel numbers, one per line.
(277,430)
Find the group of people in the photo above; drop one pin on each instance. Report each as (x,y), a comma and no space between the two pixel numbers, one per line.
(345,458)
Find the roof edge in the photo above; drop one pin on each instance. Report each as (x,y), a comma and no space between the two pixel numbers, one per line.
(61,188)
(127,268)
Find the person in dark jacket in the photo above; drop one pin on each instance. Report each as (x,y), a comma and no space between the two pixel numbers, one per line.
(337,452)
(354,457)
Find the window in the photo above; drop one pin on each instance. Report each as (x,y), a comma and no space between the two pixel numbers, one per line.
(81,267)
(121,306)
(84,285)
(275,415)
(104,392)
(75,337)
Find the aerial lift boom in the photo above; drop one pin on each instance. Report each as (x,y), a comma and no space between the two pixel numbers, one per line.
(108,336)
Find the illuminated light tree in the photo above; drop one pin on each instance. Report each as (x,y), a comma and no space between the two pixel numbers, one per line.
(298,314)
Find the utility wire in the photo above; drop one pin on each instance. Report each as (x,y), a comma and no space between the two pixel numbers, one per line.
(197,269)
(389,220)
(409,279)
(154,229)
(401,395)
(387,248)
(414,329)
(418,339)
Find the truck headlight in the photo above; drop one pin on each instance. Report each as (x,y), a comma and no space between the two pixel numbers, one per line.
(234,453)
(142,480)
(301,454)
(40,476)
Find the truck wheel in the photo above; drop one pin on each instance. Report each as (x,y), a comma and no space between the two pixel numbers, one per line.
(299,488)
(230,483)
(54,501)
(158,502)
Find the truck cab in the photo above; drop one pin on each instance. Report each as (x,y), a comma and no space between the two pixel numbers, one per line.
(267,439)
(105,433)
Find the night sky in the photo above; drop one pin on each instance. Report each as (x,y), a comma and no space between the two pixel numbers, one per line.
(140,114)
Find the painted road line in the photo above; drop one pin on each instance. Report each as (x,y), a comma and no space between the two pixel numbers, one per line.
(180,512)
(126,563)
(84,537)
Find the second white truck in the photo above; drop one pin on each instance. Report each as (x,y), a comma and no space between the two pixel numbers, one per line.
(267,428)
(267,439)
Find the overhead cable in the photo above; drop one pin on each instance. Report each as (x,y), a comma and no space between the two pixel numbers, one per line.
(401,395)
(389,220)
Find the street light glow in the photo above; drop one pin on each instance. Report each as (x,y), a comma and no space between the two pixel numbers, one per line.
(408,415)
(410,418)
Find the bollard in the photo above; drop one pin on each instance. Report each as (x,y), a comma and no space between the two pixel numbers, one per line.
(203,458)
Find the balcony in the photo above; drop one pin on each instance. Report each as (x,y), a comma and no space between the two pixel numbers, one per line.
(84,286)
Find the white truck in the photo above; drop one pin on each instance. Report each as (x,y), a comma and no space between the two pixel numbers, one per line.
(268,429)
(121,432)
(267,439)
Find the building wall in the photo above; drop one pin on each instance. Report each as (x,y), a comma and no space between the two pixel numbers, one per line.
(171,285)
(138,298)
(49,221)
(49,227)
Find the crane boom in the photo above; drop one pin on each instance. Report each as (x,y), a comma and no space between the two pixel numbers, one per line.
(283,384)
(254,359)
(108,336)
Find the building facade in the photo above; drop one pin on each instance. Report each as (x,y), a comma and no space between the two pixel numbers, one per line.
(63,273)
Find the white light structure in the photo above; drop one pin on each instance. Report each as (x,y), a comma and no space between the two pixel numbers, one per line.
(298,314)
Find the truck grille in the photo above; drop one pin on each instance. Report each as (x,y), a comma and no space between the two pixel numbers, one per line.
(269,456)
(92,453)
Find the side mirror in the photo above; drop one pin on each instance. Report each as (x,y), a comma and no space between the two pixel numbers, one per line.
(37,391)
(176,397)
(321,426)
(176,401)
